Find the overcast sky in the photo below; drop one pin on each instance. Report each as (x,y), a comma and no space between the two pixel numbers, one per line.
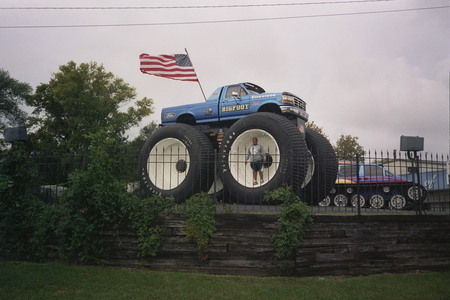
(371,69)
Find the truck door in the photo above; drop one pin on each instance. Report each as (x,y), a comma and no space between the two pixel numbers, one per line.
(210,111)
(233,107)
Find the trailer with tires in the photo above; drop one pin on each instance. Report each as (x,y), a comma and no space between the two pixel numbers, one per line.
(203,147)
(372,186)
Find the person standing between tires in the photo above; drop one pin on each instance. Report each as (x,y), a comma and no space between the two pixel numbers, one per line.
(256,156)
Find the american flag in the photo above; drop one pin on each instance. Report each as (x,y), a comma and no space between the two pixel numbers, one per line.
(176,66)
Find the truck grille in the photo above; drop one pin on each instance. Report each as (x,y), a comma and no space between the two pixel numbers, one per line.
(299,103)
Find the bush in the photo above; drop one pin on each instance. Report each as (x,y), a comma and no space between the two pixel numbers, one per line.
(19,205)
(293,216)
(142,214)
(200,222)
(94,203)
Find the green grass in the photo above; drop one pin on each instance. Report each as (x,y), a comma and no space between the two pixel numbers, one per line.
(61,281)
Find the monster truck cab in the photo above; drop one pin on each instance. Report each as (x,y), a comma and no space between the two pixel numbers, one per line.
(232,102)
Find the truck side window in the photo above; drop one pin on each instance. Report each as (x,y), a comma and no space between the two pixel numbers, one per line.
(373,171)
(254,89)
(347,171)
(235,88)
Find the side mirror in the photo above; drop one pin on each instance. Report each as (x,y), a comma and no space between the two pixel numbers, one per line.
(235,95)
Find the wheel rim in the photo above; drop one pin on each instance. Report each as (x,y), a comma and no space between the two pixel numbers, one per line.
(340,200)
(398,202)
(325,202)
(376,201)
(310,168)
(168,163)
(362,200)
(414,193)
(241,171)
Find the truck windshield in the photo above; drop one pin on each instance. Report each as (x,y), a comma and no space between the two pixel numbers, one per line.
(254,89)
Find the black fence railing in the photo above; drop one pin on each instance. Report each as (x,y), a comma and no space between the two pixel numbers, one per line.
(391,181)
(386,182)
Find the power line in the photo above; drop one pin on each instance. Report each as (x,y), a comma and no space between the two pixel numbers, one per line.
(188,7)
(220,21)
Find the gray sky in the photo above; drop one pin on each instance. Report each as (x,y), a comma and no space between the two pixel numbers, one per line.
(376,76)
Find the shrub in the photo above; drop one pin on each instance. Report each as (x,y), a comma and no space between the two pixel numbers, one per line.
(94,203)
(293,216)
(142,214)
(200,222)
(19,205)
(73,227)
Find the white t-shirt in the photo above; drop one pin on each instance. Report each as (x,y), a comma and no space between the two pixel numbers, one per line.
(255,153)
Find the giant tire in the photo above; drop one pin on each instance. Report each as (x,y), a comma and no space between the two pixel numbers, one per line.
(177,160)
(325,168)
(280,138)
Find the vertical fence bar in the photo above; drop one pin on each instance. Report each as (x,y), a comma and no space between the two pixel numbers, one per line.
(417,191)
(358,185)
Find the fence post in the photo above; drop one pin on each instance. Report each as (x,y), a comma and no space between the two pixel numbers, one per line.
(414,157)
(357,185)
(216,173)
(418,190)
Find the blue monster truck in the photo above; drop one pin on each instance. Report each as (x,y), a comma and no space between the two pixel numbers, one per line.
(203,147)
(378,188)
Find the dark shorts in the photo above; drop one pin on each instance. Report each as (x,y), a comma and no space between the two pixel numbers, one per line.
(256,165)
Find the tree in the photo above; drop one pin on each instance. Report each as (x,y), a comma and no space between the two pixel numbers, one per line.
(136,145)
(316,128)
(81,100)
(347,148)
(12,94)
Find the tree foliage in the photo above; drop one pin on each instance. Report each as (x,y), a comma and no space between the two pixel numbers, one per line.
(136,145)
(12,94)
(347,148)
(81,100)
(19,204)
(95,202)
(316,128)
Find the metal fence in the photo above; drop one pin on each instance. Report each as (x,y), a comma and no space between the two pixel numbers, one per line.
(379,182)
(390,182)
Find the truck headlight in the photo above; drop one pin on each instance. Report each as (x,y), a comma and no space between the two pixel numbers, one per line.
(288,99)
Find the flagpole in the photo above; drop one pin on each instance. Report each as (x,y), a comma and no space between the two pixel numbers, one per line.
(198,80)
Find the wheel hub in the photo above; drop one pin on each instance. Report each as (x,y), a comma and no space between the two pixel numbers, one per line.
(181,166)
